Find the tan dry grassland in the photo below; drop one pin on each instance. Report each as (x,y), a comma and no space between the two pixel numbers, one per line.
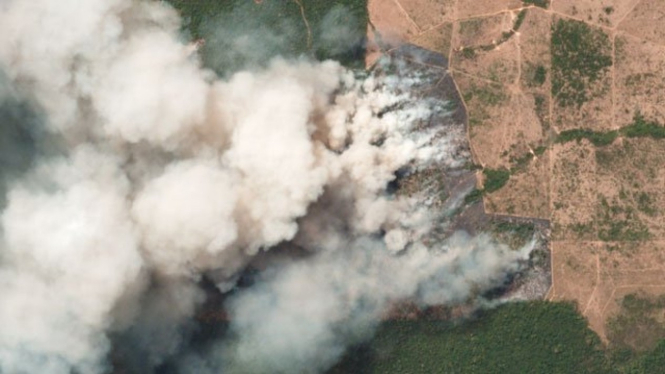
(606,203)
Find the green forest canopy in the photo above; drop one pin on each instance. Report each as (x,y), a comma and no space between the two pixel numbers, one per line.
(241,33)
(522,337)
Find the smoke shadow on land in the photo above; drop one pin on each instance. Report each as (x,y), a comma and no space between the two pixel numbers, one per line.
(358,359)
(22,135)
(155,342)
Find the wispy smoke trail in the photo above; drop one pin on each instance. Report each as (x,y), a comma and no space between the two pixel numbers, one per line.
(159,175)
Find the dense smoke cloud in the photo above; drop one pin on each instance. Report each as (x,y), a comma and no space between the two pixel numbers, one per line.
(166,176)
(302,316)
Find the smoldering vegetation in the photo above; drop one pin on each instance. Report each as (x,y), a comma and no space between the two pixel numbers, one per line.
(170,185)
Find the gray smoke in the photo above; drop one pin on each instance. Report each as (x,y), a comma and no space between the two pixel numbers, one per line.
(302,316)
(168,176)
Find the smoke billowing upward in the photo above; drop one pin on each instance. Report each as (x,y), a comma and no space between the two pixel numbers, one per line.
(137,174)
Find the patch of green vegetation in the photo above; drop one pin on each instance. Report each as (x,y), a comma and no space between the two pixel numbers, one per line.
(597,138)
(540,75)
(623,230)
(623,195)
(338,29)
(195,12)
(474,121)
(542,111)
(539,3)
(470,165)
(608,10)
(536,75)
(490,47)
(515,234)
(241,32)
(519,20)
(605,159)
(469,53)
(504,38)
(641,128)
(471,26)
(522,337)
(519,164)
(582,229)
(525,337)
(473,196)
(580,56)
(652,362)
(617,222)
(495,179)
(638,79)
(492,95)
(645,204)
(638,327)
(540,150)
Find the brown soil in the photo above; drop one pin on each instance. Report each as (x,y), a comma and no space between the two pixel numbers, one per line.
(481,31)
(646,21)
(640,68)
(598,279)
(436,39)
(427,14)
(630,179)
(600,12)
(581,188)
(595,114)
(526,194)
(476,8)
(389,26)
(573,171)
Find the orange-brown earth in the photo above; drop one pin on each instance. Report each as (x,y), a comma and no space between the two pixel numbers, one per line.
(605,203)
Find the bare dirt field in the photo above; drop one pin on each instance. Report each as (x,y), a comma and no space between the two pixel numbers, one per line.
(475,8)
(597,277)
(427,14)
(600,12)
(573,176)
(639,81)
(630,185)
(646,21)
(500,65)
(526,194)
(575,272)
(523,85)
(389,25)
(486,104)
(437,39)
(476,32)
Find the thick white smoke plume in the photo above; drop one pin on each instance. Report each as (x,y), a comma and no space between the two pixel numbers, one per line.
(168,175)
